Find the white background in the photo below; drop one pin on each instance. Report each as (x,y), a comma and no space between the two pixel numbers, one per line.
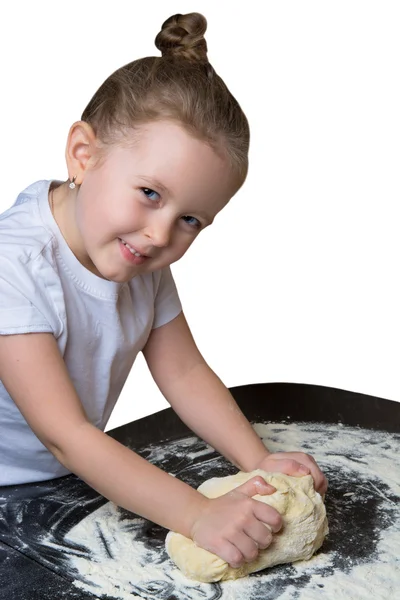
(297,279)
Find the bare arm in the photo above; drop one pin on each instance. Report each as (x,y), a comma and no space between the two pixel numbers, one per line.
(209,409)
(35,376)
(199,397)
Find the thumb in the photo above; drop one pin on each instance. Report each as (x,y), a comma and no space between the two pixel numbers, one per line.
(256,485)
(293,468)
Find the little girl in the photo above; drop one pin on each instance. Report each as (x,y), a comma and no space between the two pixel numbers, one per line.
(85,284)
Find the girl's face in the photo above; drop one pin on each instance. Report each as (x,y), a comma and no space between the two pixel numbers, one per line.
(152,199)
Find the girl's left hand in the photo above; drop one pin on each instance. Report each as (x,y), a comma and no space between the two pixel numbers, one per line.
(296,464)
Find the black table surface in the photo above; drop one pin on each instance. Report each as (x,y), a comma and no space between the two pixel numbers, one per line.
(28,572)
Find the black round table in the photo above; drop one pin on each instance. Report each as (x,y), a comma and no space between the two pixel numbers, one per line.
(30,513)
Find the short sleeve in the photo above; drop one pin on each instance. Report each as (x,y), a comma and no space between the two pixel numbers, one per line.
(167,304)
(24,302)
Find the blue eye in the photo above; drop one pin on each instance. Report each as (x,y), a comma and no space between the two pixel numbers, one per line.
(192,221)
(150,194)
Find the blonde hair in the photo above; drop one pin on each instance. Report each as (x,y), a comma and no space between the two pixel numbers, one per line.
(182,86)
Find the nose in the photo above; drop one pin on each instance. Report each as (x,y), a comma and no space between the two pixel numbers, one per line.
(159,233)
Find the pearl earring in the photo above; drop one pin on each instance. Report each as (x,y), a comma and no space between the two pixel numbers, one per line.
(72,184)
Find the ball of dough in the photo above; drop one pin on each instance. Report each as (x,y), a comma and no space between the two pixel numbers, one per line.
(304,528)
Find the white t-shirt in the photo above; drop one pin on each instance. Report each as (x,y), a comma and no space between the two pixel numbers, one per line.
(100,326)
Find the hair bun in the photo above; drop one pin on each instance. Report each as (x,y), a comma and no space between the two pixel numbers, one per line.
(182,36)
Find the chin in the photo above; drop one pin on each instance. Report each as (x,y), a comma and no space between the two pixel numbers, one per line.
(121,278)
(116,277)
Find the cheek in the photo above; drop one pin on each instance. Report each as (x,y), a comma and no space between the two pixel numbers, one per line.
(94,224)
(99,216)
(183,244)
(131,216)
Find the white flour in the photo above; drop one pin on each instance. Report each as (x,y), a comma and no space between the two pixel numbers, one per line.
(123,557)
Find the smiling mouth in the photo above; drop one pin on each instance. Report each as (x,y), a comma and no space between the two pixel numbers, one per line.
(132,250)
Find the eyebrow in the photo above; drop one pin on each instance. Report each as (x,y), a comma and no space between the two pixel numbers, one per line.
(160,186)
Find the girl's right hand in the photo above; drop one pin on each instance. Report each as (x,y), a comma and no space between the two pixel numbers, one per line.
(234,526)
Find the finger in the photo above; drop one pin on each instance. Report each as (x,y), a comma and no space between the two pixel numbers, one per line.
(268,515)
(322,485)
(256,486)
(320,481)
(259,533)
(312,459)
(307,466)
(292,467)
(228,552)
(246,546)
(305,459)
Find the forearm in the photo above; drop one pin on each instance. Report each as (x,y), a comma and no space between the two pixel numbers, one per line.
(206,406)
(128,480)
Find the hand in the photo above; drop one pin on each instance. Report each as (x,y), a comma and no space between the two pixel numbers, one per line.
(296,464)
(236,527)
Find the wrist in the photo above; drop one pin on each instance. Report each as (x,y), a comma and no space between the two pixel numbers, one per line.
(196,508)
(254,462)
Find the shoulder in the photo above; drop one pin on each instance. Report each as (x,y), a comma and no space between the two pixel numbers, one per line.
(164,296)
(23,235)
(30,286)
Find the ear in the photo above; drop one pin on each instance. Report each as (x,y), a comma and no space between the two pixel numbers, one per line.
(80,151)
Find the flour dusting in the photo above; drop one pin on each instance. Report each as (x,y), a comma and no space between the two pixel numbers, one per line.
(114,554)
